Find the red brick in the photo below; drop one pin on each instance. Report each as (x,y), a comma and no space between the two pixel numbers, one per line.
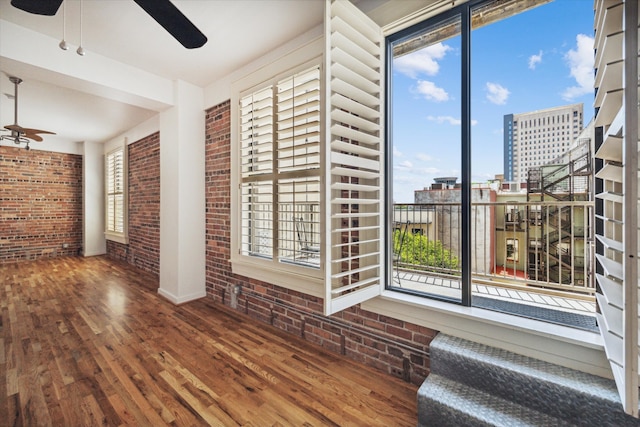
(143,249)
(368,337)
(40,204)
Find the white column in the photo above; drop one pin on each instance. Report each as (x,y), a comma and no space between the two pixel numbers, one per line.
(182,196)
(93,240)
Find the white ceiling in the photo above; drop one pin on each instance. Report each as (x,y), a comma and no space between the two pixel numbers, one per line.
(130,58)
(239,31)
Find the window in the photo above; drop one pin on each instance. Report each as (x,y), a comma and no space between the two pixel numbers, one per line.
(307,198)
(512,250)
(116,195)
(280,170)
(446,99)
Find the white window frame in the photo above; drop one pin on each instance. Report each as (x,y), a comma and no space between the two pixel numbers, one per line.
(302,278)
(113,235)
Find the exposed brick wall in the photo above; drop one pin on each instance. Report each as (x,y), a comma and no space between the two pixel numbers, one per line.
(390,345)
(143,249)
(40,204)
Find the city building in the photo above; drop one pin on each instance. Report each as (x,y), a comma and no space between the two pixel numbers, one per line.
(443,198)
(535,138)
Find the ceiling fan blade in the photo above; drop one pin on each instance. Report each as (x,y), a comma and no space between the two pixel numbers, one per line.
(29,131)
(174,21)
(33,136)
(39,7)
(15,128)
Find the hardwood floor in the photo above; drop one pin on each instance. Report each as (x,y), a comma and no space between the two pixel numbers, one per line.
(88,341)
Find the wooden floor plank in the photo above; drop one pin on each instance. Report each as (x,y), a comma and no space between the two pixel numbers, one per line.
(88,342)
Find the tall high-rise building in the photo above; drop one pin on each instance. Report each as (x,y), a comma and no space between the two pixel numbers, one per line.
(536,138)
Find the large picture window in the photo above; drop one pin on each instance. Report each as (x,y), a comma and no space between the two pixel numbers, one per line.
(488,146)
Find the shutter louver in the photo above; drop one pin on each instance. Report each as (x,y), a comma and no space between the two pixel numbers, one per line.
(298,163)
(256,157)
(299,122)
(115,191)
(355,158)
(616,219)
(256,133)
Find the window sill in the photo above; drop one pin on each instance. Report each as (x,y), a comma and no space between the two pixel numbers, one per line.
(284,277)
(116,237)
(573,348)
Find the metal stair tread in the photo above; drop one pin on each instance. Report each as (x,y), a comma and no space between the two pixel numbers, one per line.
(464,405)
(526,366)
(543,387)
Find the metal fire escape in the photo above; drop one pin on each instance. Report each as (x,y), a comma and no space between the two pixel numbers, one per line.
(565,179)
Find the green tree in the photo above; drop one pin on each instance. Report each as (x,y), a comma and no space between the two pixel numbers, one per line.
(417,250)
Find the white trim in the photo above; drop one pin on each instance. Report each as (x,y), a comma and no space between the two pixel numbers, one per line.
(116,237)
(308,285)
(181,300)
(561,345)
(93,253)
(394,17)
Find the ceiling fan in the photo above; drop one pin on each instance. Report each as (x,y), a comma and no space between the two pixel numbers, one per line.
(163,11)
(19,134)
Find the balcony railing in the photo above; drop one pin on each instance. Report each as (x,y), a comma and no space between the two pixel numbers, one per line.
(544,247)
(547,246)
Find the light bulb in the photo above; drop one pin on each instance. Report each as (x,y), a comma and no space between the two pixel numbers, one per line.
(63,45)
(80,51)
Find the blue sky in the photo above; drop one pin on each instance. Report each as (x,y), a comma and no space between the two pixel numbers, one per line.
(538,59)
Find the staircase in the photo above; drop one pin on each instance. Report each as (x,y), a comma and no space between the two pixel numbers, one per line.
(475,385)
(563,176)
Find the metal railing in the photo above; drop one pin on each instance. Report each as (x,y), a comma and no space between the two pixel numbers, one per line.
(542,244)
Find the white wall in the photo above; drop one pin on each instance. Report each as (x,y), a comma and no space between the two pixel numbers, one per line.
(94,242)
(182,197)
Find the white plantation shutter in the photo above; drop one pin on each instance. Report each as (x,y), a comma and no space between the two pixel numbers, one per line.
(280,169)
(299,122)
(257,173)
(354,175)
(617,204)
(298,164)
(115,183)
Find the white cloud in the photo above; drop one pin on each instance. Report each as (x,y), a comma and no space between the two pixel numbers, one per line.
(430,91)
(427,171)
(534,60)
(424,157)
(405,165)
(423,61)
(580,62)
(396,152)
(443,119)
(449,119)
(497,94)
